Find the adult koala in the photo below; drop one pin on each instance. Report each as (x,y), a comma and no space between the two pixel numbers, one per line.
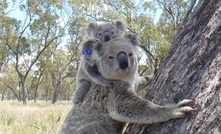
(89,73)
(105,110)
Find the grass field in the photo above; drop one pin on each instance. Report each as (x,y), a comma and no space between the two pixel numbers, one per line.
(33,118)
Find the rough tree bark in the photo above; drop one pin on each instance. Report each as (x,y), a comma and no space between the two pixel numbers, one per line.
(192,69)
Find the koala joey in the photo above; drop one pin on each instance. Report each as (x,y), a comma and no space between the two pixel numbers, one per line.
(105,31)
(105,110)
(88,72)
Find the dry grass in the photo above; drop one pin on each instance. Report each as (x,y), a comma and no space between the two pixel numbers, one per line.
(33,118)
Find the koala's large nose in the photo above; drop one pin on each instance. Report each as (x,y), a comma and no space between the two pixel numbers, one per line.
(122,60)
(106,37)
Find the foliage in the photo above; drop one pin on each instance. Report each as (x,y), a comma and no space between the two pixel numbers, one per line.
(39,54)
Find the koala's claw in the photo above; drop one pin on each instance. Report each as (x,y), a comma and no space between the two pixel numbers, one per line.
(185,102)
(194,111)
(183,109)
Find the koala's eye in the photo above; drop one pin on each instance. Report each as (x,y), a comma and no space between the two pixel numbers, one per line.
(99,34)
(112,32)
(110,57)
(130,54)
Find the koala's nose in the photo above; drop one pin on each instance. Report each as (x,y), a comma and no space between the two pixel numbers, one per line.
(106,37)
(122,60)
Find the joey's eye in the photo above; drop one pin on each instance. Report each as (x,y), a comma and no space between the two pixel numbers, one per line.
(110,57)
(112,32)
(130,54)
(99,34)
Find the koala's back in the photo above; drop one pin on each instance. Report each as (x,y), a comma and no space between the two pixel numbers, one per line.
(92,116)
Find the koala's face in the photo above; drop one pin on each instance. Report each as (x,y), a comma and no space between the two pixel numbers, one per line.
(106,31)
(119,59)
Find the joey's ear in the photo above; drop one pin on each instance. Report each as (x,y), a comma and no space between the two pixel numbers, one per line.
(133,38)
(119,25)
(91,29)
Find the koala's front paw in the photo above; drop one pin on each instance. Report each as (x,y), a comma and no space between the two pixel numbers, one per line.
(145,80)
(182,108)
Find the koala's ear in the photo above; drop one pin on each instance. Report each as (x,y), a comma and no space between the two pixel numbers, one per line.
(119,25)
(90,46)
(87,45)
(133,38)
(91,29)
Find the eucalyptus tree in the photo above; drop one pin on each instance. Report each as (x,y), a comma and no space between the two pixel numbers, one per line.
(175,14)
(191,69)
(28,39)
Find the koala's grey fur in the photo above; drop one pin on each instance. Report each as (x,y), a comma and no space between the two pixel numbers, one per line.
(105,110)
(105,31)
(88,72)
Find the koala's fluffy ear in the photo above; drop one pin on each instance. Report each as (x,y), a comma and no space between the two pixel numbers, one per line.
(91,45)
(91,29)
(119,25)
(133,38)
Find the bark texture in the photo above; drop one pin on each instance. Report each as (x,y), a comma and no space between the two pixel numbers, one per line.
(192,69)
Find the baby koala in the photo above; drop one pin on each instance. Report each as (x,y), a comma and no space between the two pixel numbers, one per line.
(88,72)
(105,110)
(105,31)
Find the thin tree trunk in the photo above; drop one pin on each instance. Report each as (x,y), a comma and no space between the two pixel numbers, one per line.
(192,69)
(54,95)
(47,86)
(3,95)
(35,94)
(55,92)
(37,85)
(23,91)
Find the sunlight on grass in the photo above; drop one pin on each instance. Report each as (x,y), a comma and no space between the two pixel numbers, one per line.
(33,118)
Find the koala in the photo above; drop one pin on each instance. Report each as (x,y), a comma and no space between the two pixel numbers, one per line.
(105,31)
(88,71)
(105,110)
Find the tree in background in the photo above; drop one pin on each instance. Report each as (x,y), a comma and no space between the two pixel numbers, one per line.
(43,45)
(27,40)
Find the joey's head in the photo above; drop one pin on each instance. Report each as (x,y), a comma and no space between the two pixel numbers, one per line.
(91,50)
(119,58)
(105,31)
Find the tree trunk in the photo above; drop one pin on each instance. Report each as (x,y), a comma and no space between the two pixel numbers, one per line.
(47,87)
(3,95)
(192,69)
(23,91)
(55,86)
(35,94)
(54,95)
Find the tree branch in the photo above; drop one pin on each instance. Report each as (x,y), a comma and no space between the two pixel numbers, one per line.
(187,15)
(10,88)
(151,55)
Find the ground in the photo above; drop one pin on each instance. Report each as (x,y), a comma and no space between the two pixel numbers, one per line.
(34,118)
